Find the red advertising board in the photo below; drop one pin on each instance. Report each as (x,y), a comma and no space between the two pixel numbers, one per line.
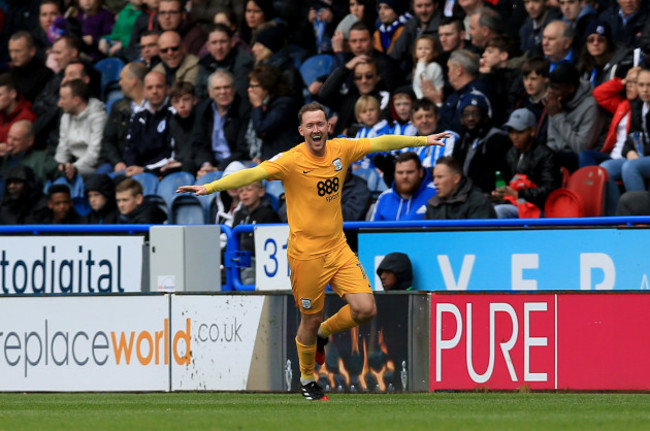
(595,341)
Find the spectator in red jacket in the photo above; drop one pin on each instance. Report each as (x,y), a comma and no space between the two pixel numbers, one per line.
(13,107)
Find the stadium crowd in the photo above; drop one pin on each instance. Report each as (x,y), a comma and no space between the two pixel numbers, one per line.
(98,95)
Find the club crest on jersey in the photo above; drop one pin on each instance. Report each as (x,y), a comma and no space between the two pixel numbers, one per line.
(161,126)
(338,164)
(306,303)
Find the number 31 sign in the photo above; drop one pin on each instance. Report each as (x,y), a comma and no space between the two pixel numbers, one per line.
(271,265)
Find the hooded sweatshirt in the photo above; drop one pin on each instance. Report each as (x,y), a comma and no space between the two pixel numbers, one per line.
(393,207)
(400,264)
(577,126)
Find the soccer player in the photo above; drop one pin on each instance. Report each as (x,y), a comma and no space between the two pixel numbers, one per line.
(313,173)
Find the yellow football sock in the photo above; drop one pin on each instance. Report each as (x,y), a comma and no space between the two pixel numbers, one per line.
(306,358)
(341,321)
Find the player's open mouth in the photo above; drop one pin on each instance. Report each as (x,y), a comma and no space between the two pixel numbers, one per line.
(317,138)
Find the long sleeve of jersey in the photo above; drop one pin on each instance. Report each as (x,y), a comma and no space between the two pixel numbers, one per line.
(237,179)
(394,142)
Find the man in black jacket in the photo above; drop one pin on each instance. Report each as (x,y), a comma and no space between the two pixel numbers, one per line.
(219,134)
(223,54)
(23,202)
(29,72)
(456,197)
(532,166)
(148,143)
(111,157)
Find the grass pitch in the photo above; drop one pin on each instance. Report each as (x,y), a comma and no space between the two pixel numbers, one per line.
(357,412)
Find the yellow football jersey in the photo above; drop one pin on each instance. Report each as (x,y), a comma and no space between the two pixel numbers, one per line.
(313,187)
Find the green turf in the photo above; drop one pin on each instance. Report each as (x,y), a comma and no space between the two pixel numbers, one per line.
(358,412)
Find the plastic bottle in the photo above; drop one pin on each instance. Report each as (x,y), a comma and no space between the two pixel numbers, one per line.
(499,181)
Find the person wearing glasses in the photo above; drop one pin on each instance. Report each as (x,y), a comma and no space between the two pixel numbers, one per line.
(177,65)
(364,73)
(172,16)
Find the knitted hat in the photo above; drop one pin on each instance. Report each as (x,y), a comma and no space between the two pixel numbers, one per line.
(398,6)
(474,99)
(272,37)
(601,28)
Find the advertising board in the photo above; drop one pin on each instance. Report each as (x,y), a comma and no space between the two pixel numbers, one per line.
(574,341)
(70,264)
(89,343)
(517,260)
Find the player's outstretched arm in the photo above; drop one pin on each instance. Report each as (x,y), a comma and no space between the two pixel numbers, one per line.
(395,142)
(233,181)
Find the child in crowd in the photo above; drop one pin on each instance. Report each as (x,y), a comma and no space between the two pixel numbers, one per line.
(368,113)
(504,81)
(60,204)
(132,206)
(119,38)
(95,23)
(393,14)
(183,101)
(535,80)
(100,191)
(255,209)
(400,108)
(369,116)
(426,50)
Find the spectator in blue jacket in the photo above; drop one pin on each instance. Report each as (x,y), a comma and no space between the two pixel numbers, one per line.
(407,199)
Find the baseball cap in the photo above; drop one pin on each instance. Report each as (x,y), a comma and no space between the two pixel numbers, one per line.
(520,120)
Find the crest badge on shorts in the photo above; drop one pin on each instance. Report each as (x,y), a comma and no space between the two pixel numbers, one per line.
(338,164)
(306,303)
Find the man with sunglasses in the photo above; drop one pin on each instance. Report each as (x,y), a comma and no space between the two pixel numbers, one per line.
(340,95)
(176,64)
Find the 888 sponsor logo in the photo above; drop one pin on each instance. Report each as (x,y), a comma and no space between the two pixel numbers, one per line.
(328,186)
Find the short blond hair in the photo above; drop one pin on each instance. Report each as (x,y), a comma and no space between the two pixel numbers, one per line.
(364,102)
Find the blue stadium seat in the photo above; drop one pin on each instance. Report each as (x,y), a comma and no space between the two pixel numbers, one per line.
(112,97)
(149,182)
(207,200)
(370,175)
(276,188)
(77,187)
(168,185)
(110,69)
(187,209)
(275,202)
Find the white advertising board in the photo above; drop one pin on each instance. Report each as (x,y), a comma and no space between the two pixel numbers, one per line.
(70,264)
(223,332)
(88,343)
(271,264)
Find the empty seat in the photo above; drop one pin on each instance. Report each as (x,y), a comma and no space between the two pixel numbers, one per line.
(168,185)
(149,182)
(590,183)
(187,209)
